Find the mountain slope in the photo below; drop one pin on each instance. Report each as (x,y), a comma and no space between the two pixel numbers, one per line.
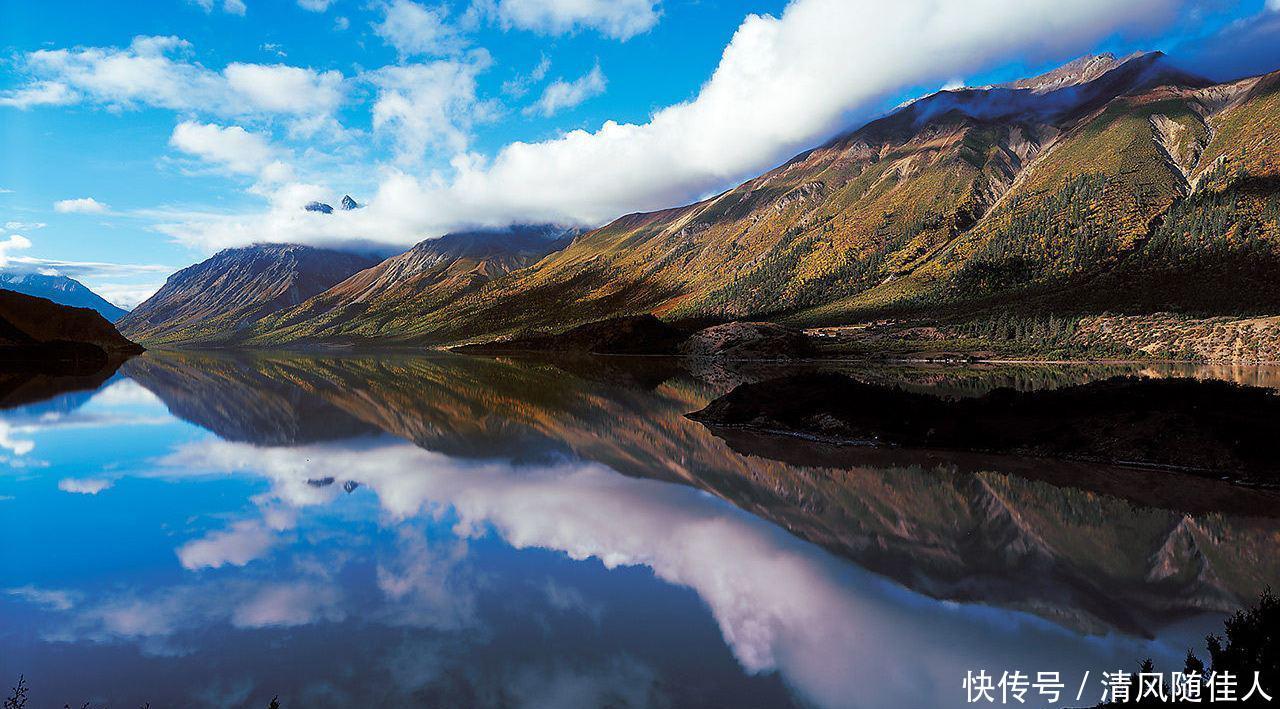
(213,301)
(886,218)
(61,290)
(1164,200)
(427,276)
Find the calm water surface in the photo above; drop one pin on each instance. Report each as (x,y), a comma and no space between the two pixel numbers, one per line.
(213,530)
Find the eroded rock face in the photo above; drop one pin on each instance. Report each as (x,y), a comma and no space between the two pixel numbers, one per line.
(748,340)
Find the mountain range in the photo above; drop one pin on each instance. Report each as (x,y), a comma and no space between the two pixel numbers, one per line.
(62,290)
(1121,185)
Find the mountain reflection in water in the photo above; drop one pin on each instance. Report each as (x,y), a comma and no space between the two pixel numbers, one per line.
(397,529)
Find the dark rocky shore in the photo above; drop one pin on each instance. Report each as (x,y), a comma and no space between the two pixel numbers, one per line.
(47,348)
(1208,427)
(648,335)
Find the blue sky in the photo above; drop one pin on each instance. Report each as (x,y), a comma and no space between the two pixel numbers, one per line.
(137,141)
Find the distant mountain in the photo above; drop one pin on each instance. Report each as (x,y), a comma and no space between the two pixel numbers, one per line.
(430,274)
(347,204)
(62,290)
(214,300)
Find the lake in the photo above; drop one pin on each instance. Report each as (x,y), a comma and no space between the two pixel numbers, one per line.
(215,529)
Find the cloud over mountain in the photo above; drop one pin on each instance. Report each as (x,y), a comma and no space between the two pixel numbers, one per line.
(782,83)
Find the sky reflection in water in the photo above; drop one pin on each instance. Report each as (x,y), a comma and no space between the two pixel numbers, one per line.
(360,533)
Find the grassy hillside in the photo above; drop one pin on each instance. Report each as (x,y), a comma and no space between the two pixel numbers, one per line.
(1156,203)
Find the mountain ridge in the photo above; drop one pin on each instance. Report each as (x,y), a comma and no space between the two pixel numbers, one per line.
(63,290)
(1090,189)
(433,270)
(234,288)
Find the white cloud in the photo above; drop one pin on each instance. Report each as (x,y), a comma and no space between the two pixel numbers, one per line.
(24,226)
(127,393)
(432,105)
(123,284)
(84,486)
(231,7)
(157,71)
(424,582)
(782,85)
(315,5)
(49,598)
(237,546)
(561,94)
(38,93)
(540,71)
(82,269)
(619,19)
(278,88)
(415,29)
(287,605)
(519,85)
(341,23)
(15,242)
(126,295)
(80,205)
(150,616)
(1273,5)
(9,439)
(231,147)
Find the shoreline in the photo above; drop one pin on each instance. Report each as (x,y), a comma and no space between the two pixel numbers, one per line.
(765,433)
(402,349)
